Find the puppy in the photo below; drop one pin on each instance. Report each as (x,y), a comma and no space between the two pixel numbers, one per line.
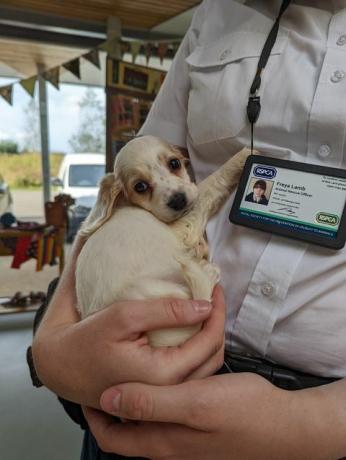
(145,234)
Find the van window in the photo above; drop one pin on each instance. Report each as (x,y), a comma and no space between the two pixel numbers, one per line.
(85,175)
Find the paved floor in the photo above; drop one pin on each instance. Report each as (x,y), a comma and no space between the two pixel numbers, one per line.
(33,425)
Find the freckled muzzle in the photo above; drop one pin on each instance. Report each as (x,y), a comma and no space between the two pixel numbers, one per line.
(177,202)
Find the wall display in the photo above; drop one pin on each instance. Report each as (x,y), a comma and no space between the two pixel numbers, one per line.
(131,90)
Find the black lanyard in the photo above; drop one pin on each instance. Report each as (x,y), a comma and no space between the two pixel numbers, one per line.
(254,104)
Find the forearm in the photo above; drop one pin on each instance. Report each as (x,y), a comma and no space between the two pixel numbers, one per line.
(322,424)
(61,311)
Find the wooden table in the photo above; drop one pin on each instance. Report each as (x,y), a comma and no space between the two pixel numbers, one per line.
(38,235)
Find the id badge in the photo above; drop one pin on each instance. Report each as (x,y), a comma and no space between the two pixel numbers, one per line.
(296,200)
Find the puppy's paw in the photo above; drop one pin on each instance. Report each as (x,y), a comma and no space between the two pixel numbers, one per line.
(213,272)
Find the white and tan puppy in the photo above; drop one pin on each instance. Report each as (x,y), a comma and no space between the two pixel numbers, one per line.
(145,234)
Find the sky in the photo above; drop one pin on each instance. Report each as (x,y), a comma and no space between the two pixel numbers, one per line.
(63,113)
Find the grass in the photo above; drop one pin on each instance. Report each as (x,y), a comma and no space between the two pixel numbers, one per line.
(25,171)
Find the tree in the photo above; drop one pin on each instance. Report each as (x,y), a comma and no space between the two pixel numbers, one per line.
(32,136)
(91,133)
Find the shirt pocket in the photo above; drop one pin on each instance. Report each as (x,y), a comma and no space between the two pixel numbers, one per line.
(221,75)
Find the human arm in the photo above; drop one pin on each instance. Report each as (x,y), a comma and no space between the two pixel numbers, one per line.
(79,359)
(233,416)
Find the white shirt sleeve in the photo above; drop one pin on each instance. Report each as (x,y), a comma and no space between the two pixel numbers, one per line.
(167,117)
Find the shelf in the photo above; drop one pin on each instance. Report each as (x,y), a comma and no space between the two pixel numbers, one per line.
(15,309)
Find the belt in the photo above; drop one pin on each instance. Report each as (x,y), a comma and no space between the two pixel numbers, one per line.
(280,376)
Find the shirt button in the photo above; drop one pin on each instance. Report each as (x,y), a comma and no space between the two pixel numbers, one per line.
(267,289)
(224,54)
(324,151)
(337,76)
(341,40)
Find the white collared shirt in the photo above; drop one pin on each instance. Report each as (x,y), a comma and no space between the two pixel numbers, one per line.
(286,299)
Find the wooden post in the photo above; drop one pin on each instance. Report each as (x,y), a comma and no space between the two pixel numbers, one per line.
(113,35)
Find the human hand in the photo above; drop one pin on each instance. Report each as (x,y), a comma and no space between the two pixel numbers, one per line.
(78,360)
(224,417)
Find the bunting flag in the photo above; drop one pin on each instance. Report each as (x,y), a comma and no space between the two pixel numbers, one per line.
(110,46)
(147,51)
(162,50)
(94,57)
(135,47)
(6,93)
(175,47)
(29,85)
(73,67)
(53,76)
(124,48)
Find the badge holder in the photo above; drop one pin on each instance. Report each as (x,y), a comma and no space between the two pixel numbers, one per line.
(296,200)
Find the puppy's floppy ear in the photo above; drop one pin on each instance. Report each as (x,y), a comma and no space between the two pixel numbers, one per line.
(109,193)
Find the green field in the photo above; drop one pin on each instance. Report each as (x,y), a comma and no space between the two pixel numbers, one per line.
(24,170)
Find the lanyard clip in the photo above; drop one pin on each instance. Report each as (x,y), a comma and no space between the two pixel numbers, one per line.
(253,108)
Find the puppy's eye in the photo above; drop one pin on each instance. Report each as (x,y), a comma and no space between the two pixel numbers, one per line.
(141,187)
(174,164)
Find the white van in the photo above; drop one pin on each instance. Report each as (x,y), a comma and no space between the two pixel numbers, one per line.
(79,176)
(80,173)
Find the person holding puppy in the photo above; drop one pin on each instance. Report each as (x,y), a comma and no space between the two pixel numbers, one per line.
(285,299)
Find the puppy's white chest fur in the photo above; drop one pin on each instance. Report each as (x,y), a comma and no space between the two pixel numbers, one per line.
(132,256)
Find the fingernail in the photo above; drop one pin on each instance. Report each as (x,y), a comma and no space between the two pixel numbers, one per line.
(201,306)
(116,402)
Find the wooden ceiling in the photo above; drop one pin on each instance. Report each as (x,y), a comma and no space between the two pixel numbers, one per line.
(143,14)
(26,39)
(24,57)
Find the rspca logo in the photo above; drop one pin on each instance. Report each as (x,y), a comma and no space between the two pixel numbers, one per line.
(266,172)
(327,219)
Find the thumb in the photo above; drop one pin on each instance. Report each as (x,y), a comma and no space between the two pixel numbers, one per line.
(171,404)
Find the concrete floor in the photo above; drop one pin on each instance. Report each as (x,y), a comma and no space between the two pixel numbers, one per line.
(33,425)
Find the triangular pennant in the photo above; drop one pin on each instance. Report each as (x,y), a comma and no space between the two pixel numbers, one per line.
(124,48)
(147,51)
(53,76)
(109,46)
(175,47)
(73,67)
(94,57)
(162,50)
(6,93)
(135,47)
(29,85)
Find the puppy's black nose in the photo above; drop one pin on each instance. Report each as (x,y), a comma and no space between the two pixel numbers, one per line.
(177,202)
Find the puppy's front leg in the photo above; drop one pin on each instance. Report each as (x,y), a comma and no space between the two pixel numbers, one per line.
(213,192)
